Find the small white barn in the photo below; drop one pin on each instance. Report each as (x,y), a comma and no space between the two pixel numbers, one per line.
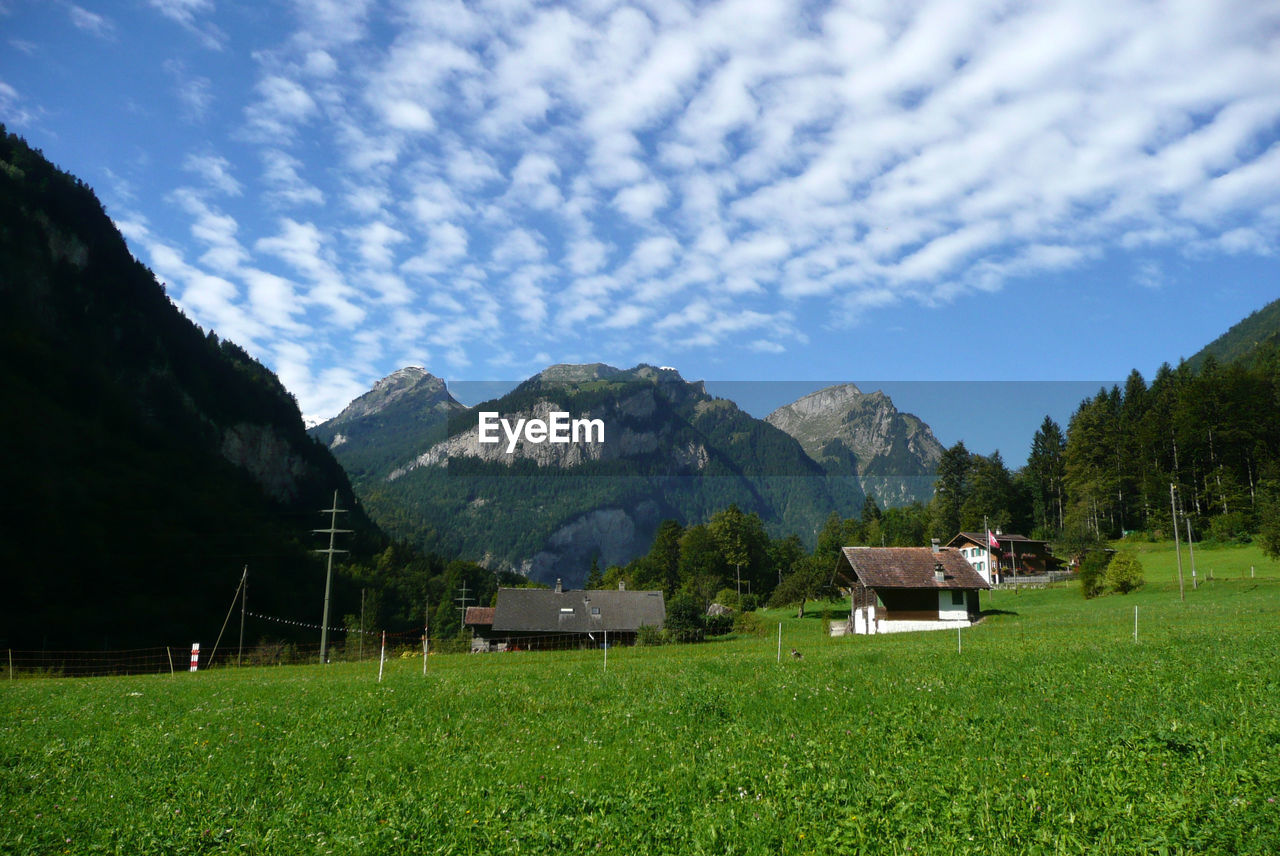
(897,589)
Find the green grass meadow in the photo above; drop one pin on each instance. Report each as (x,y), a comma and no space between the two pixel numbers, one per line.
(1049,731)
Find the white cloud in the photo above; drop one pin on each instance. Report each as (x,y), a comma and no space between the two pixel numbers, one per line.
(216,172)
(282,105)
(91,22)
(189,14)
(305,249)
(375,241)
(533,182)
(705,172)
(641,201)
(283,185)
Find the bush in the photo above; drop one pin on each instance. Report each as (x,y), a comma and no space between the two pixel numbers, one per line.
(1124,574)
(727,597)
(685,619)
(1093,572)
(650,635)
(750,624)
(719,625)
(749,603)
(1230,528)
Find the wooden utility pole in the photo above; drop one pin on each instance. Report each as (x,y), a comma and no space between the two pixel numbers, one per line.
(1191,549)
(244,596)
(1177,547)
(332,531)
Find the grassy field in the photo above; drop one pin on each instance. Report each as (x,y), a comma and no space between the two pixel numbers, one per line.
(1051,731)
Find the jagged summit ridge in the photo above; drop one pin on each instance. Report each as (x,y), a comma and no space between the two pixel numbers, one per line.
(395,387)
(893,454)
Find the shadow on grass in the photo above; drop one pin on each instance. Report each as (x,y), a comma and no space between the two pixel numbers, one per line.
(833,614)
(989,612)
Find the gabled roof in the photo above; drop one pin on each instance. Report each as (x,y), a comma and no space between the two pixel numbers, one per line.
(909,568)
(478,615)
(546,611)
(980,538)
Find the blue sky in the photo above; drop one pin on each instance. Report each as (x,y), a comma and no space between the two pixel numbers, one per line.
(763,190)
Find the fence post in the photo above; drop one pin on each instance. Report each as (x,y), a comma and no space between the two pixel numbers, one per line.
(10,664)
(382,657)
(779,642)
(169,653)
(1135,625)
(195,656)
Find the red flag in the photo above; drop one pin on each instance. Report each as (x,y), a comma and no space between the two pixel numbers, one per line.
(991,539)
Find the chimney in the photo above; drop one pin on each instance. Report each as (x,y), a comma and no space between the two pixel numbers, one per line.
(559,588)
(622,585)
(939,574)
(935,544)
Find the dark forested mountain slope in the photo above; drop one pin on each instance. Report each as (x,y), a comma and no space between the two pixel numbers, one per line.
(145,462)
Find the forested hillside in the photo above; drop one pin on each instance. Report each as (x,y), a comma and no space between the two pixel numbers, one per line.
(1246,339)
(145,461)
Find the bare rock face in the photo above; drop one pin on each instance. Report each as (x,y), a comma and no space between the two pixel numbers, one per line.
(613,535)
(894,455)
(270,459)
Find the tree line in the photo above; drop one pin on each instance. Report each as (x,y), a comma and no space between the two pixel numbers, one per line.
(1211,433)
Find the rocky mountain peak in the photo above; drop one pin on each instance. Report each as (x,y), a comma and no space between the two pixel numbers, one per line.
(399,385)
(826,400)
(894,454)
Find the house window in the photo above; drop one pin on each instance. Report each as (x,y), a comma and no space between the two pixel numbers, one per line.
(595,610)
(957,598)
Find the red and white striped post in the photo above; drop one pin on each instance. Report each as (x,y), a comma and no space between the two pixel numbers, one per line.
(195,656)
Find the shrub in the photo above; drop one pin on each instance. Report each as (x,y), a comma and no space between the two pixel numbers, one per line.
(1093,572)
(685,619)
(1124,574)
(727,597)
(749,603)
(719,625)
(1230,528)
(650,635)
(749,623)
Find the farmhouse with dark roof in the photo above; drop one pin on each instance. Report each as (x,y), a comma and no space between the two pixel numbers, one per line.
(542,618)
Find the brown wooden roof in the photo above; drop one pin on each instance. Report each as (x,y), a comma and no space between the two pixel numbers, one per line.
(980,539)
(908,568)
(478,615)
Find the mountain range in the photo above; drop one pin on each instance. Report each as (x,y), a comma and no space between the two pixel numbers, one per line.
(148,461)
(671,450)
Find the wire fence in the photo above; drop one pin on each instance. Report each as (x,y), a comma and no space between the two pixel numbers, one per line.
(171,659)
(355,647)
